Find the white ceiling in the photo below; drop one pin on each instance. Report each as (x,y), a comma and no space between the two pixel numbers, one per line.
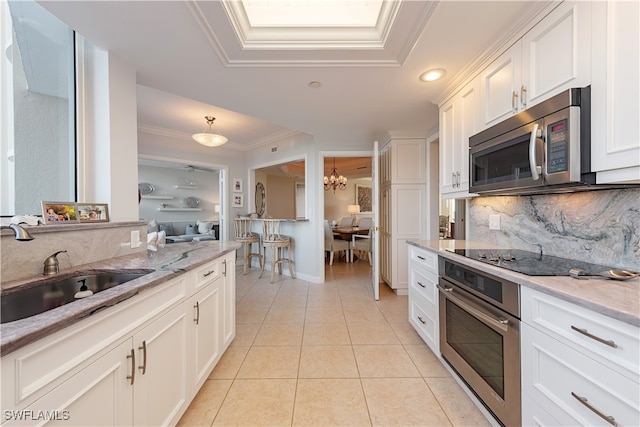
(198,58)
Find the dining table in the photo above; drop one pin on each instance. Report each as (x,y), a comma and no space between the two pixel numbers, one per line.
(345,233)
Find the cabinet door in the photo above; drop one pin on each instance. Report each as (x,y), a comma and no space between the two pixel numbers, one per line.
(207,330)
(160,387)
(469,118)
(100,394)
(385,233)
(229,301)
(447,147)
(556,53)
(615,104)
(500,87)
(408,159)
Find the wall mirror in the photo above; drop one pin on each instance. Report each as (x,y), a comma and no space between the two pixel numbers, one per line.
(282,196)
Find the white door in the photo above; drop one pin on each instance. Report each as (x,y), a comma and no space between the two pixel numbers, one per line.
(375,253)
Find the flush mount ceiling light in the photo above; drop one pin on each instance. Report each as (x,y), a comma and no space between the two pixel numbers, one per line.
(335,181)
(432,75)
(210,138)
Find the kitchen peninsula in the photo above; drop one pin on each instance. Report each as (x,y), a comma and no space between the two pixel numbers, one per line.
(134,354)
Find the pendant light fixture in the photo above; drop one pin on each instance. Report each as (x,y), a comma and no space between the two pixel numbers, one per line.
(210,138)
(335,181)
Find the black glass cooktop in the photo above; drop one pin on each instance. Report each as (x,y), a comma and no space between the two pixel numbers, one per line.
(529,263)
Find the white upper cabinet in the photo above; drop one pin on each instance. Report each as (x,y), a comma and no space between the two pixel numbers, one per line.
(459,119)
(551,57)
(615,104)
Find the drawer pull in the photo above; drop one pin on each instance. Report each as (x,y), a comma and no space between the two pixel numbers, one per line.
(209,273)
(421,285)
(132,377)
(421,257)
(585,402)
(584,332)
(224,273)
(420,319)
(197,307)
(143,347)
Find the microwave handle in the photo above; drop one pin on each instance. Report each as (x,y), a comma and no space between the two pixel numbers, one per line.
(533,163)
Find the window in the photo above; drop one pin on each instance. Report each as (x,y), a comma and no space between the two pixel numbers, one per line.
(37,117)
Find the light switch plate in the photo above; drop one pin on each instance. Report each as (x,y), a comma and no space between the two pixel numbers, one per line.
(494,222)
(135,239)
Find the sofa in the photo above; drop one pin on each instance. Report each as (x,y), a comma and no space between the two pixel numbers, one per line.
(185,231)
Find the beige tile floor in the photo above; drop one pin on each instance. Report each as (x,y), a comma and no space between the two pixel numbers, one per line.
(327,354)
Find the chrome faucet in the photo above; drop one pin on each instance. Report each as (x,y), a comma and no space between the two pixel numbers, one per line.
(51,264)
(21,233)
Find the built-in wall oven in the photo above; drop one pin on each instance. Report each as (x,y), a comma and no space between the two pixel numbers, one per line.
(480,335)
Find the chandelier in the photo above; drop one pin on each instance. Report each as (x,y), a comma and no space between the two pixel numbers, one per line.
(210,139)
(335,181)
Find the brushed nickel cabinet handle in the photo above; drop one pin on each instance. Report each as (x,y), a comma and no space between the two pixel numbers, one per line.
(209,273)
(132,377)
(224,272)
(523,96)
(143,347)
(514,101)
(421,285)
(585,402)
(586,333)
(197,307)
(420,319)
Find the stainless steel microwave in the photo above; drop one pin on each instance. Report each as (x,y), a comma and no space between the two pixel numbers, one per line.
(542,149)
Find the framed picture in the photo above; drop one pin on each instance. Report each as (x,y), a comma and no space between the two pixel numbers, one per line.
(238,201)
(363,197)
(237,185)
(59,212)
(93,212)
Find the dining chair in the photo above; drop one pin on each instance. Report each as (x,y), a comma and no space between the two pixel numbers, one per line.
(276,242)
(362,243)
(332,245)
(244,235)
(345,221)
(365,223)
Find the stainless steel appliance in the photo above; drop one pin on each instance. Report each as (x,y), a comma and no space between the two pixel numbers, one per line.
(542,149)
(480,335)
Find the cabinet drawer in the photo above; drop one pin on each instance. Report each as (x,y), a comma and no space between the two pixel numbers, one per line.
(424,259)
(207,273)
(425,284)
(557,376)
(611,342)
(424,319)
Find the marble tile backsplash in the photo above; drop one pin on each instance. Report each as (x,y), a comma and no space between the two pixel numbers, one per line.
(600,227)
(83,243)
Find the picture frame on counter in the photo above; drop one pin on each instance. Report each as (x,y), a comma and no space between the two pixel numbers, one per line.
(93,212)
(60,212)
(238,201)
(237,185)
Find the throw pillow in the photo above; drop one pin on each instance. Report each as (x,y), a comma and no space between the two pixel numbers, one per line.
(191,229)
(153,226)
(167,228)
(204,227)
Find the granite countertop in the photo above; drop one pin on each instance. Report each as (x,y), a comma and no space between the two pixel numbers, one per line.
(614,298)
(166,264)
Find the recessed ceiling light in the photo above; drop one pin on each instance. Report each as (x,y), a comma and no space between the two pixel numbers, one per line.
(315,84)
(432,75)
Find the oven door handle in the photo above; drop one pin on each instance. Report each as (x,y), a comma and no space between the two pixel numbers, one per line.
(502,324)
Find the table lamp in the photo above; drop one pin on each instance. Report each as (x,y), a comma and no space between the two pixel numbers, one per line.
(353,210)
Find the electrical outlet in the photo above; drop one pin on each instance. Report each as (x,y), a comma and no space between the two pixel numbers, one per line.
(135,239)
(494,222)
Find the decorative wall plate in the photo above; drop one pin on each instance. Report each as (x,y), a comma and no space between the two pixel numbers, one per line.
(145,188)
(260,199)
(192,202)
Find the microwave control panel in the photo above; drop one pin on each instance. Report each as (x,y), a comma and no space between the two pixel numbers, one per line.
(558,146)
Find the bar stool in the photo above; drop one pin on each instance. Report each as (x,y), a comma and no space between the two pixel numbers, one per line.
(271,238)
(245,236)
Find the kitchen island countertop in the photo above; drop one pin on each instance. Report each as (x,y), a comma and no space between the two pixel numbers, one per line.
(167,263)
(614,298)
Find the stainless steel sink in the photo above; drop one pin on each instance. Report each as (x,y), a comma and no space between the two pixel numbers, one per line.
(53,292)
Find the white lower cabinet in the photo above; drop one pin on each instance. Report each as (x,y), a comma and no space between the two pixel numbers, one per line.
(423,296)
(140,362)
(578,367)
